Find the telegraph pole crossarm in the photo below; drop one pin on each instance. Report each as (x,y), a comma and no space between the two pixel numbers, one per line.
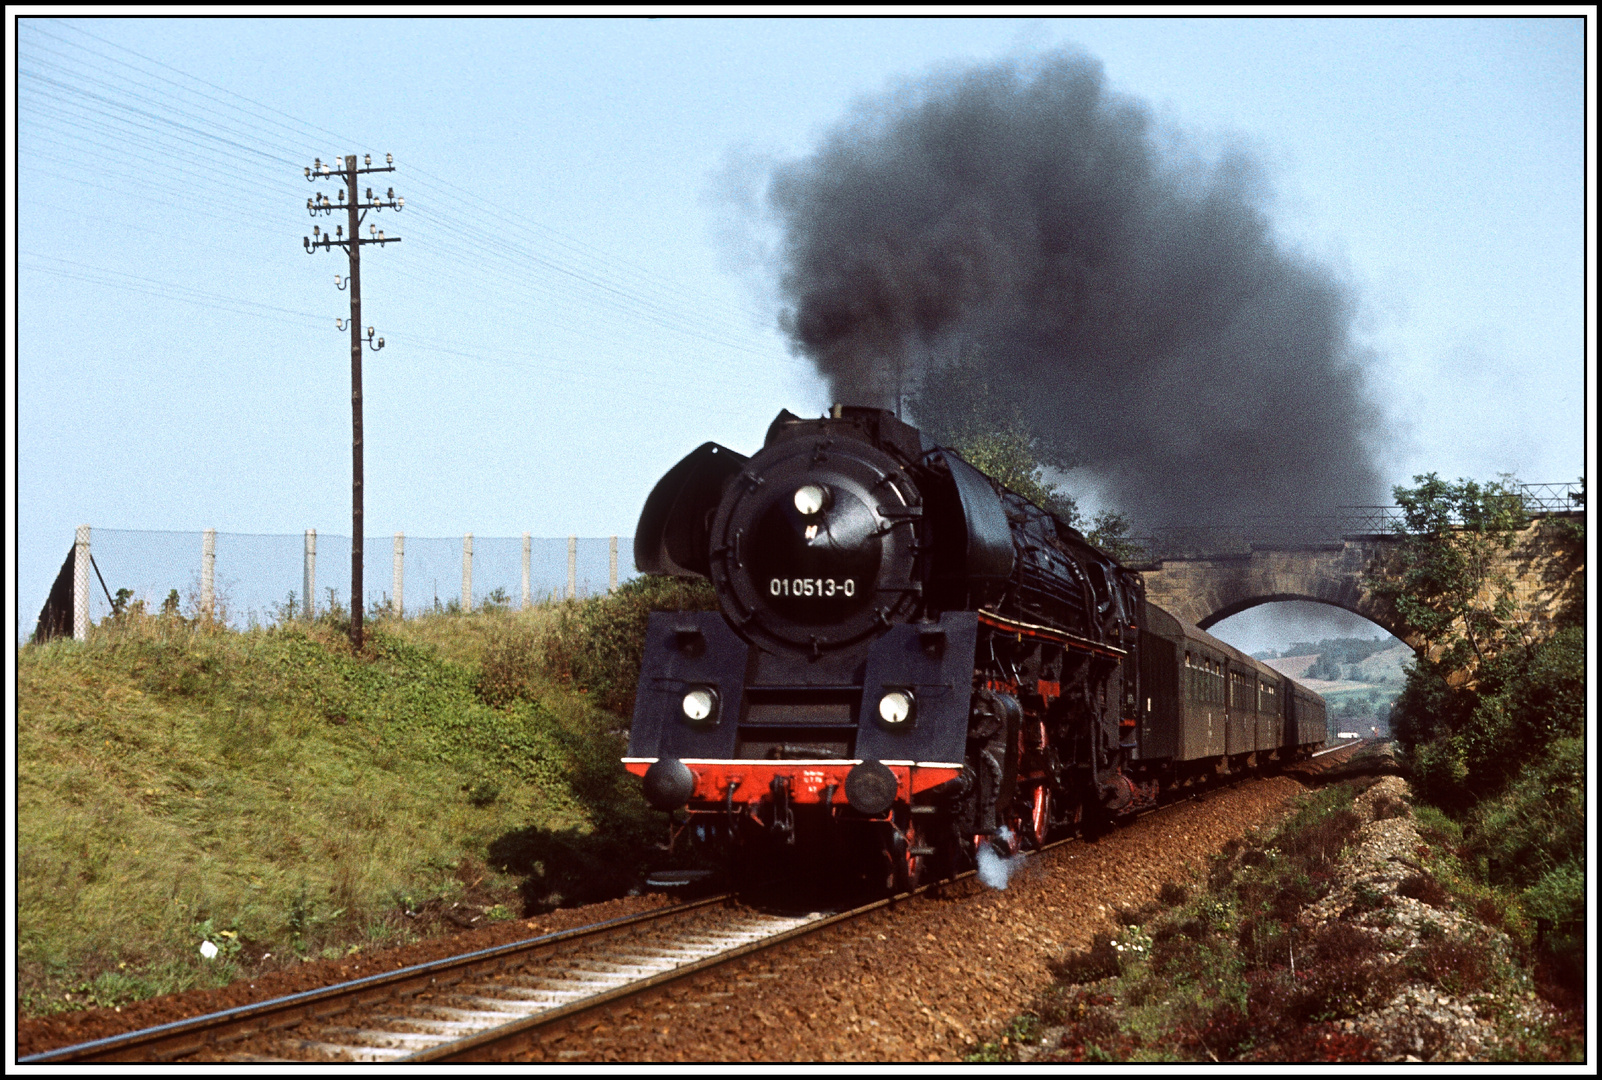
(356,212)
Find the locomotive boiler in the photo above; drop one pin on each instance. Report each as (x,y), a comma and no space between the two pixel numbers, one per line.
(910,660)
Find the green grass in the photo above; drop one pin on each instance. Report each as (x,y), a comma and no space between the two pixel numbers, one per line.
(274,794)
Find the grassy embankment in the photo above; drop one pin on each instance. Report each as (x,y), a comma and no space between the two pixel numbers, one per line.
(1219,969)
(276,795)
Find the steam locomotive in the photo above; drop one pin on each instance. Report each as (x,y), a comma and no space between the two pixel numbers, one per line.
(911,661)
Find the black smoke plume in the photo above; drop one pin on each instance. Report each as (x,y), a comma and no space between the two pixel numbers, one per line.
(1021,224)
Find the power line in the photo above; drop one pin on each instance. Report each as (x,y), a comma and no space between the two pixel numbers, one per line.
(607,271)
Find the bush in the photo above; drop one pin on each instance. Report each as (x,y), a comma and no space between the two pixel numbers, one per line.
(1100,961)
(1557,902)
(1540,698)
(1389,806)
(512,665)
(1456,965)
(597,644)
(1538,824)
(1320,844)
(1423,887)
(1439,775)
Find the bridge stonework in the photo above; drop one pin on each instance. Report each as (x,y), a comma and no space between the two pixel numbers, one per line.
(1545,565)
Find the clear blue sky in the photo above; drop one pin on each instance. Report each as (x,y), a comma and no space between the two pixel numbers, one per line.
(567,314)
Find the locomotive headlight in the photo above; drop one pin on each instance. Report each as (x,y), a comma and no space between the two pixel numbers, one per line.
(810,499)
(895,708)
(700,707)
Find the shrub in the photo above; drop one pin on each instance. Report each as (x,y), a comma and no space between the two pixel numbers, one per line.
(1440,775)
(1100,961)
(512,665)
(1389,806)
(1093,1031)
(1541,698)
(1423,887)
(1322,1043)
(1340,976)
(1221,1033)
(1538,824)
(597,644)
(1173,894)
(1557,902)
(1320,844)
(1456,965)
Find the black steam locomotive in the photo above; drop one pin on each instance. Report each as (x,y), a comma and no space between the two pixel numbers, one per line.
(911,661)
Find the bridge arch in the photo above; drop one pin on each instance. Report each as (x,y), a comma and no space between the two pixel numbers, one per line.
(1386,618)
(1545,566)
(1204,590)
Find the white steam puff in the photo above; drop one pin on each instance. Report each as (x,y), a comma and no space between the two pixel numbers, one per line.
(995,870)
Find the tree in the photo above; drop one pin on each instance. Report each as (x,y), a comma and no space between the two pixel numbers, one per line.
(1008,455)
(958,406)
(1450,588)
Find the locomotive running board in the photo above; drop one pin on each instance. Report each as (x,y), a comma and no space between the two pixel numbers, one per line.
(1062,637)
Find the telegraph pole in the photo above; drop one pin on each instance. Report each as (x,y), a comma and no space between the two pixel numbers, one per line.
(356,209)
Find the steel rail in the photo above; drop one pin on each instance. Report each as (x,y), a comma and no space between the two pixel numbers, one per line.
(180,1037)
(518,1033)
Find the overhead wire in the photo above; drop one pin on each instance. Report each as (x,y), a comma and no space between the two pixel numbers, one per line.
(186,294)
(571,244)
(646,311)
(650,310)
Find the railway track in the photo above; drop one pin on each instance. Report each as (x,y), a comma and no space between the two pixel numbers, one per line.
(481,1006)
(464,1007)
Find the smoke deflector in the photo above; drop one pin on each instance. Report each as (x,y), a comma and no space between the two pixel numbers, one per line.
(671,537)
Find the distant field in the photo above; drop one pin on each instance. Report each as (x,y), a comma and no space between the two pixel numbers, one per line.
(1385,668)
(1294,666)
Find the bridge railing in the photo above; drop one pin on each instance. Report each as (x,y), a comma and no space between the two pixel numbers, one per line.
(1239,537)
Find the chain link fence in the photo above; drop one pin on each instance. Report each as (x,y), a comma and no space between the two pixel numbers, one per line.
(258,580)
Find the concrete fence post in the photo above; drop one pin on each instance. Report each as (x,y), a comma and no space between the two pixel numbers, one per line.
(309,576)
(396,605)
(572,567)
(208,570)
(528,548)
(613,586)
(467,572)
(80,584)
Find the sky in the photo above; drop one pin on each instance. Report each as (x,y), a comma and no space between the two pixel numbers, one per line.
(580,297)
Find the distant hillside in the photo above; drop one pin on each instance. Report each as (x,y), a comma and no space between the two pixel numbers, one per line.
(1383,668)
(1358,678)
(1294,666)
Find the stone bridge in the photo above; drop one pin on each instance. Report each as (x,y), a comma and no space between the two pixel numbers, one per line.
(1545,565)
